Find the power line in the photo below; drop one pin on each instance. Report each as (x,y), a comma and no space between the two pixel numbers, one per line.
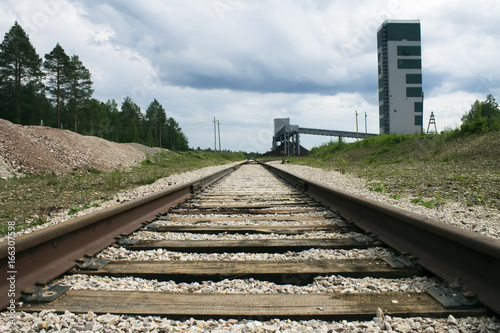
(232,123)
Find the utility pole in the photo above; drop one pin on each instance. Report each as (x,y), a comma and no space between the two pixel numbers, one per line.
(218,127)
(366,131)
(357,137)
(215,135)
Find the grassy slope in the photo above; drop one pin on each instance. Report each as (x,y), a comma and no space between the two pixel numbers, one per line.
(430,168)
(23,198)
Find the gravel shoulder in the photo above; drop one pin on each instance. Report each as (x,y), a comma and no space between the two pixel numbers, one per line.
(138,192)
(479,219)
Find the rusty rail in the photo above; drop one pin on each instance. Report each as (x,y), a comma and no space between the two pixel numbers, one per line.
(456,255)
(47,253)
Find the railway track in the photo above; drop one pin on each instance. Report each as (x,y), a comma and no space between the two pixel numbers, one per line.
(261,245)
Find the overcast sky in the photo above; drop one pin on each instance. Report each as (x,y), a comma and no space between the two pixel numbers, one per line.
(246,62)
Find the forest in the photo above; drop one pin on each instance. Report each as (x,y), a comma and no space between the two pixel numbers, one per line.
(56,91)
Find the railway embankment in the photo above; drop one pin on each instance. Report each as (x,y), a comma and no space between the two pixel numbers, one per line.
(452,180)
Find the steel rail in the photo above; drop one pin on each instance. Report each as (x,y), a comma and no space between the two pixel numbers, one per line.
(47,253)
(460,257)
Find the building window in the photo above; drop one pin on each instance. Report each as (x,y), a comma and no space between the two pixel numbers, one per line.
(409,64)
(419,107)
(414,92)
(418,120)
(414,78)
(401,31)
(409,51)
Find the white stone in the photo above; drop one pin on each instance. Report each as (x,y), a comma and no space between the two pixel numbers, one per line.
(269,328)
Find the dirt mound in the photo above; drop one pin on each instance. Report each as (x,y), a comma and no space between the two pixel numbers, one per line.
(37,149)
(150,151)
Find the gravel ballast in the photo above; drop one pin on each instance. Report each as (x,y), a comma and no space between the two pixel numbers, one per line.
(327,284)
(48,321)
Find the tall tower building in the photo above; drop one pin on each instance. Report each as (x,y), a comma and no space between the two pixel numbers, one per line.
(400,77)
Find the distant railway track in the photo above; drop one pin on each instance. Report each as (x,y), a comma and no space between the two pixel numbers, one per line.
(222,223)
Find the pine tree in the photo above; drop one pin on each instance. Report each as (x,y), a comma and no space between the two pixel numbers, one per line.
(131,118)
(156,119)
(57,66)
(176,140)
(20,74)
(80,86)
(113,127)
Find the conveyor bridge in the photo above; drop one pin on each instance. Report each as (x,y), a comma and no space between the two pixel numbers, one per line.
(288,136)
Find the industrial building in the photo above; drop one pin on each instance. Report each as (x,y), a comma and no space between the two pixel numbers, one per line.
(400,77)
(286,139)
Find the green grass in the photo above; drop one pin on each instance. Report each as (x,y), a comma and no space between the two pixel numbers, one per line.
(428,204)
(375,147)
(32,199)
(450,166)
(377,187)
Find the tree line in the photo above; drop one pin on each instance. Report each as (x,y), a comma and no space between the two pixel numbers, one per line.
(483,116)
(57,91)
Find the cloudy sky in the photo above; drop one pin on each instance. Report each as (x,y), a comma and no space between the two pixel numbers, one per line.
(246,62)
